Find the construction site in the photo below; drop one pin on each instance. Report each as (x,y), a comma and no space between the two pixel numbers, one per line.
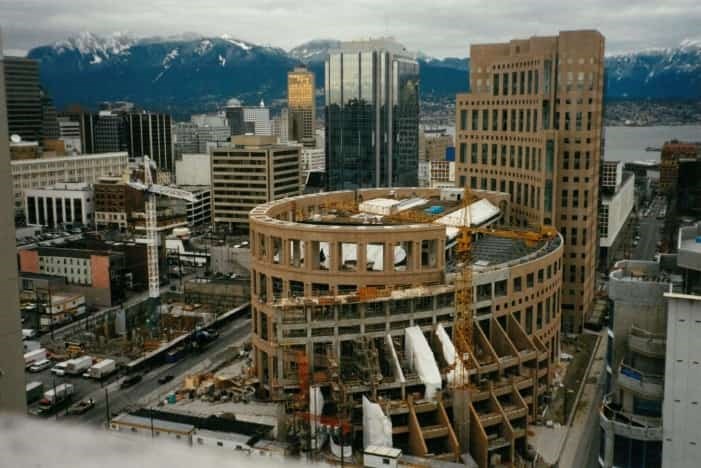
(409,318)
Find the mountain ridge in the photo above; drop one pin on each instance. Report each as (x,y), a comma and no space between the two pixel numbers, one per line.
(191,72)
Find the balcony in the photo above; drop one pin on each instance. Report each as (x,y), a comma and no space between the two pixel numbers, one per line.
(646,385)
(647,344)
(629,425)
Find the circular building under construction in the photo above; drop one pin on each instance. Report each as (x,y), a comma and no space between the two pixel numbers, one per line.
(357,300)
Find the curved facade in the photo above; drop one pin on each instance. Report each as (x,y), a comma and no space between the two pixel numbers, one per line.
(338,296)
(303,304)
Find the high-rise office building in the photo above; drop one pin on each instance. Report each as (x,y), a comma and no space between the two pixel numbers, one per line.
(23,94)
(109,133)
(12,395)
(257,120)
(252,170)
(301,106)
(234,116)
(532,126)
(149,133)
(49,118)
(372,115)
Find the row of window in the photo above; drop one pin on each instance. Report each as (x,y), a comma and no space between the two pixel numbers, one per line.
(565,201)
(521,194)
(513,120)
(514,156)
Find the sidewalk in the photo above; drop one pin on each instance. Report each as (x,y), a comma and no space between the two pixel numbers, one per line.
(562,445)
(585,423)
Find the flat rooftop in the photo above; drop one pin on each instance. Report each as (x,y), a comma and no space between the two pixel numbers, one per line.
(405,211)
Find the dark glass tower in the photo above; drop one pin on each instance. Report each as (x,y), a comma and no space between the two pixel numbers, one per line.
(24,106)
(372,116)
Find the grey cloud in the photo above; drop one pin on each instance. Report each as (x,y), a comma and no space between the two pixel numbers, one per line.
(442,27)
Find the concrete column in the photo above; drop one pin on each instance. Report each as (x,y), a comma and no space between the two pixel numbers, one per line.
(440,254)
(36,209)
(416,253)
(362,255)
(333,256)
(388,260)
(285,252)
(608,451)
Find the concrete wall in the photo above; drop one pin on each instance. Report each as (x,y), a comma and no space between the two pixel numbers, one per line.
(12,390)
(193,169)
(636,302)
(681,413)
(620,206)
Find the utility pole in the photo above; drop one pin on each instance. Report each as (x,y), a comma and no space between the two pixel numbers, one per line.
(107,406)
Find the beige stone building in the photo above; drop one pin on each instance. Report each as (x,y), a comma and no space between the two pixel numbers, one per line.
(532,126)
(251,171)
(348,300)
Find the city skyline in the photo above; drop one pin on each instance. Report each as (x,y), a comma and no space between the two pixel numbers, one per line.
(629,28)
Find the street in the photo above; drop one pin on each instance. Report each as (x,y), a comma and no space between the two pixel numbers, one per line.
(649,232)
(121,398)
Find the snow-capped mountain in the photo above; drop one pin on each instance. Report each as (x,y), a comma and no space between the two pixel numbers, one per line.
(656,73)
(315,50)
(177,73)
(192,73)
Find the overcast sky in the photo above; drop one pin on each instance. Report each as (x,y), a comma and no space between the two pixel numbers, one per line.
(439,27)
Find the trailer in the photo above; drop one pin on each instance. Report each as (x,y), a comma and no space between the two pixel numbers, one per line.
(102,369)
(34,390)
(78,365)
(34,356)
(56,398)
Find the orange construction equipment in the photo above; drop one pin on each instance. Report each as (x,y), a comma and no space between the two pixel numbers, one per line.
(463,327)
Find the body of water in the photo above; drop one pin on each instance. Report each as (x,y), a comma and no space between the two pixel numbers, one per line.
(629,143)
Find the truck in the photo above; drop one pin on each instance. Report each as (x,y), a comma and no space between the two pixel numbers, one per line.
(35,391)
(34,356)
(102,369)
(56,398)
(78,365)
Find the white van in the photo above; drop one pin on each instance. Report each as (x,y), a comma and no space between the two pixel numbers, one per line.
(60,368)
(40,365)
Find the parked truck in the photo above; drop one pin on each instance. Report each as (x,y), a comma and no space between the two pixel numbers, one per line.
(35,391)
(56,398)
(102,369)
(78,365)
(34,356)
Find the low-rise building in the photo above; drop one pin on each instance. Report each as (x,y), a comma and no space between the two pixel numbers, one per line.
(59,205)
(99,270)
(199,212)
(45,172)
(617,198)
(62,308)
(116,202)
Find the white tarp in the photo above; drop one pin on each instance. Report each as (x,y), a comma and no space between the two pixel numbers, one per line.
(450,354)
(479,213)
(395,360)
(377,427)
(421,360)
(316,407)
(374,254)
